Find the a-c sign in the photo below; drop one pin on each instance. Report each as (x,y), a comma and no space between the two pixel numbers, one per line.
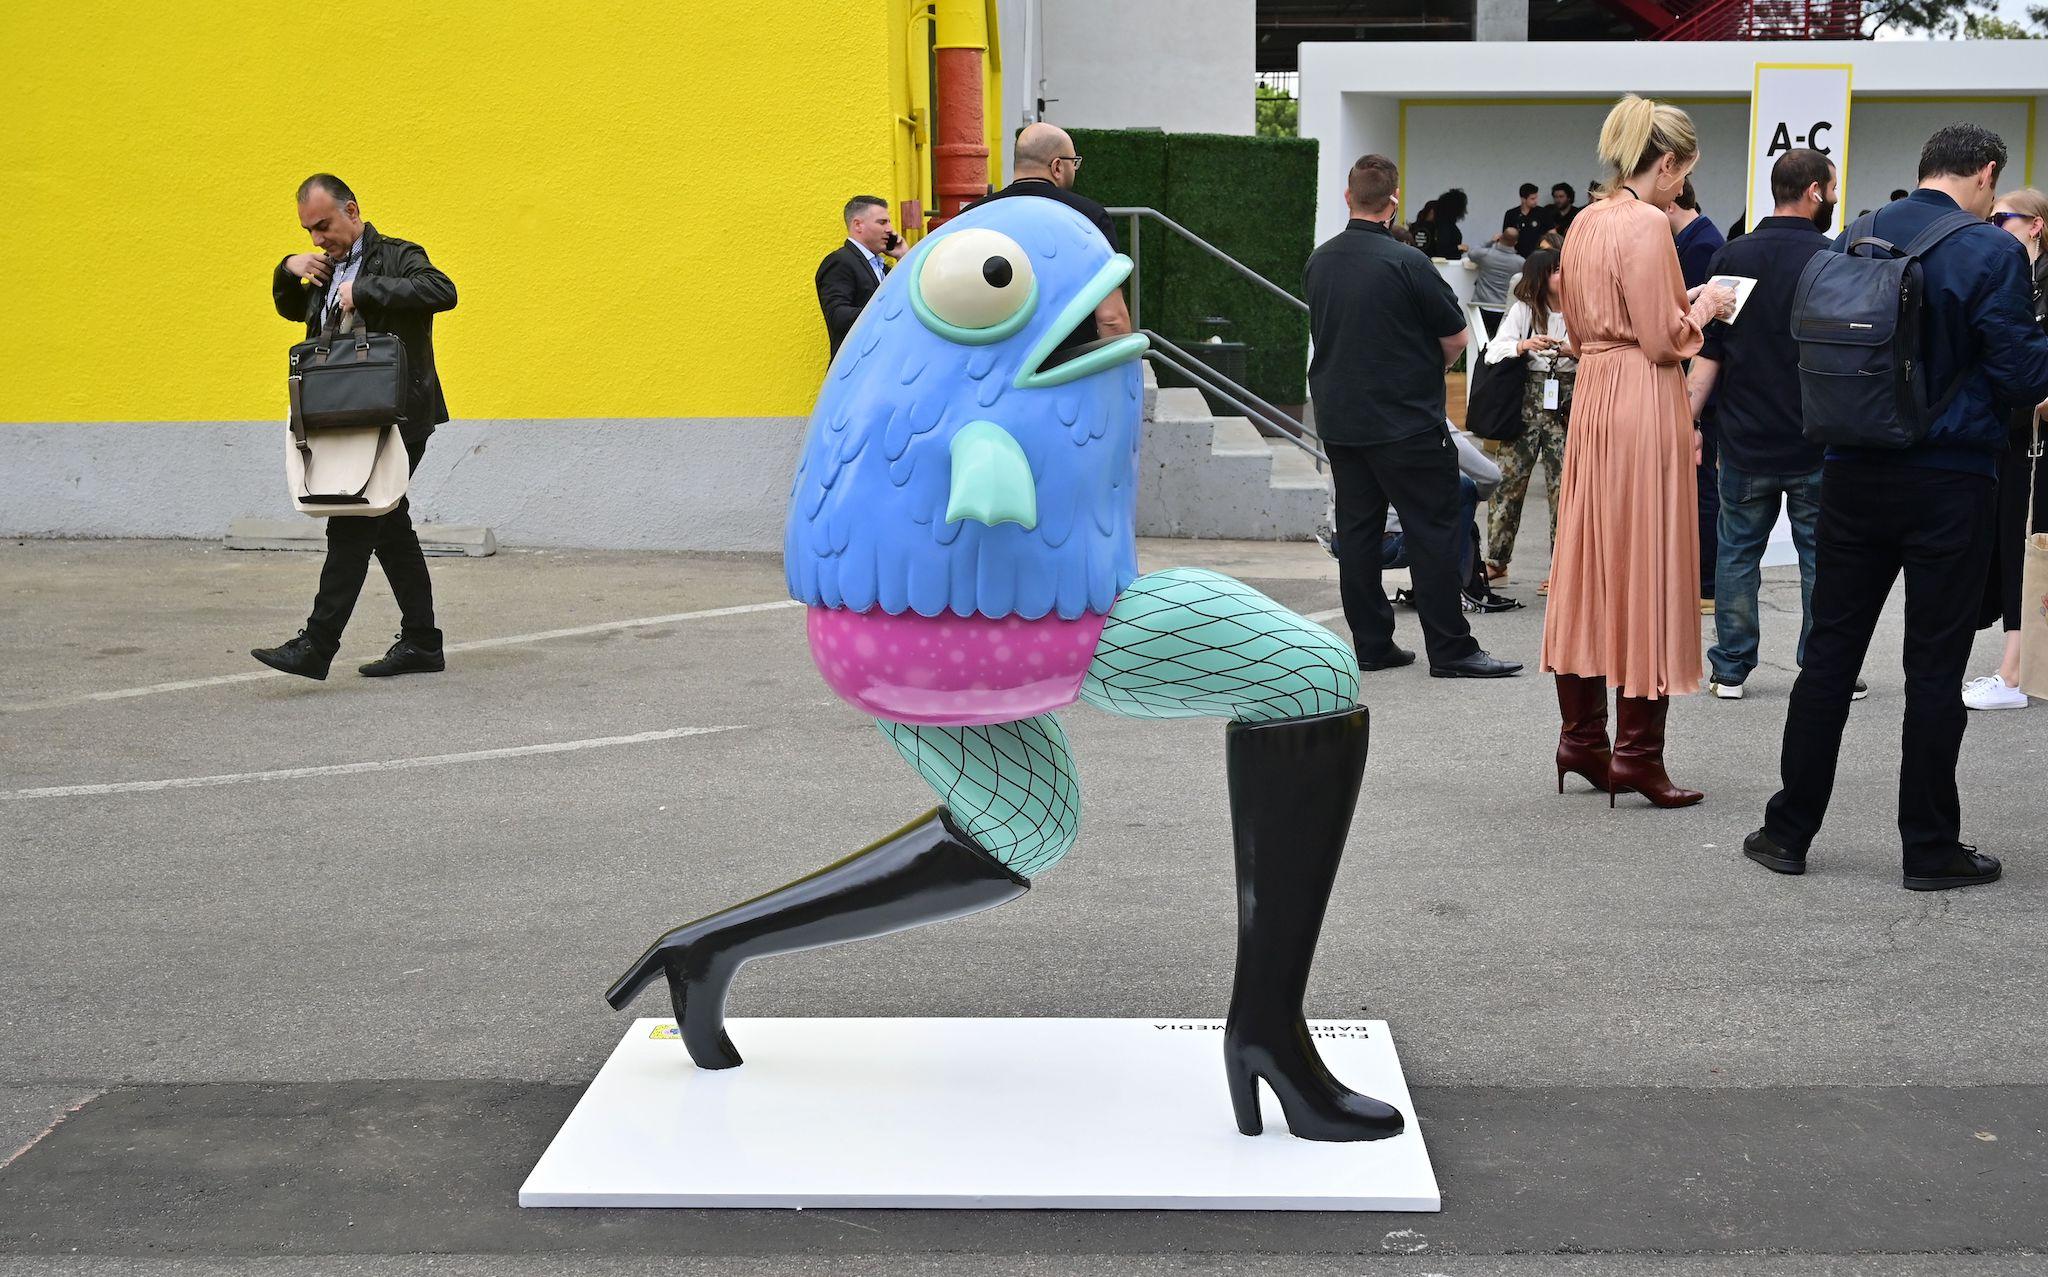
(1796,104)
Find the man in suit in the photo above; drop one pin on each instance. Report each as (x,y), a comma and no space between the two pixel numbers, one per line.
(852,272)
(393,288)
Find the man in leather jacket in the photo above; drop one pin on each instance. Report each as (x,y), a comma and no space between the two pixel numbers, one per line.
(394,288)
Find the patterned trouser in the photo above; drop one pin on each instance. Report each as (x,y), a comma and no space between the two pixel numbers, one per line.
(1542,439)
(1184,643)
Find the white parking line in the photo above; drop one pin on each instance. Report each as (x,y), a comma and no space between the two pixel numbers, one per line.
(350,769)
(473,645)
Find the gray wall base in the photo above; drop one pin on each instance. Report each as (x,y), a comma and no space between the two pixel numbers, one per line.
(650,484)
(674,484)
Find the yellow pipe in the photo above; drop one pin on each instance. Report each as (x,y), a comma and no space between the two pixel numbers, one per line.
(963,24)
(917,69)
(992,93)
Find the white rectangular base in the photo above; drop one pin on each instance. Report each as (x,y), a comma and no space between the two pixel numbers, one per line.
(969,1114)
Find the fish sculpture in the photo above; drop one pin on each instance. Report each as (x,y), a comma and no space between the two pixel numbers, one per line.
(962,533)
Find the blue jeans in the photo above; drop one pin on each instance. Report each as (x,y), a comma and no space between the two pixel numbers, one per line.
(1394,548)
(1749,510)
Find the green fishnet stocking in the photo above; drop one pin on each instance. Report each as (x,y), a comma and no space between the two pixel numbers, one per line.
(1183,643)
(1189,643)
(1011,785)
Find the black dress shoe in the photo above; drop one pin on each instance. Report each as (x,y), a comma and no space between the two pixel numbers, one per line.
(298,655)
(1966,867)
(405,657)
(1477,665)
(1761,848)
(1395,658)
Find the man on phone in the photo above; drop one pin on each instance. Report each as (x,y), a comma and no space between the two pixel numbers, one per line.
(391,286)
(852,272)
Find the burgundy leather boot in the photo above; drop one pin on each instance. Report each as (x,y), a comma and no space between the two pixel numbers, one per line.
(1582,743)
(1638,765)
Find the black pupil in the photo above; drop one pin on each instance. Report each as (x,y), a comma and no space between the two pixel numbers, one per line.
(996,270)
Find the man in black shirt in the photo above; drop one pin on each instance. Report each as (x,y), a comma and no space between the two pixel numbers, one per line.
(1385,327)
(1526,220)
(1045,165)
(1750,369)
(1558,216)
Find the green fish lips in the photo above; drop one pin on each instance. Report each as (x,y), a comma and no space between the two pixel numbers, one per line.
(1082,361)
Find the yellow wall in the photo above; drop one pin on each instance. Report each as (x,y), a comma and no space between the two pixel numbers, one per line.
(630,197)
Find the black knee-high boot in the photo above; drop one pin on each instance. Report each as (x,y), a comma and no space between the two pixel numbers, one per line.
(927,871)
(1293,785)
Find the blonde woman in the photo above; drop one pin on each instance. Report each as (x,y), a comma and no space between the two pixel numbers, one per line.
(2021,477)
(1624,583)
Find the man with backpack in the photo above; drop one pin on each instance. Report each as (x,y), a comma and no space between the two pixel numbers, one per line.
(1908,347)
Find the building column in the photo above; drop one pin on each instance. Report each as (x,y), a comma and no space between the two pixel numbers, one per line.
(1500,19)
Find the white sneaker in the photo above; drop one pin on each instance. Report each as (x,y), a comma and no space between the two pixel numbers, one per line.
(1990,692)
(1725,691)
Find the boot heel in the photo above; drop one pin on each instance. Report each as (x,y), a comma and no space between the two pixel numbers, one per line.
(1560,780)
(1244,1100)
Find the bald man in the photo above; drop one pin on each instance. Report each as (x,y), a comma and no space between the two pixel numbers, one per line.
(1045,165)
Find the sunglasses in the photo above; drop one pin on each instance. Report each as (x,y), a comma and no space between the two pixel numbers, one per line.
(2000,219)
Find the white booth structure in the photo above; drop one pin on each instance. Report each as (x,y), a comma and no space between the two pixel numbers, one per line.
(1488,117)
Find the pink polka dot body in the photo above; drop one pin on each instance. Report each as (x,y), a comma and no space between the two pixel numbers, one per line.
(952,671)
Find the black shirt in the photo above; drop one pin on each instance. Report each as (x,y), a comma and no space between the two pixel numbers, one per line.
(1528,227)
(1044,188)
(1377,311)
(1756,399)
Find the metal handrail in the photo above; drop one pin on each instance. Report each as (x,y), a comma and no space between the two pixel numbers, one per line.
(1209,380)
(1138,214)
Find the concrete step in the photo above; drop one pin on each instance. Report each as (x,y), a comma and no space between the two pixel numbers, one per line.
(1207,476)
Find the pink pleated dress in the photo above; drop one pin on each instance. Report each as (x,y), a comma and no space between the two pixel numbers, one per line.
(1624,579)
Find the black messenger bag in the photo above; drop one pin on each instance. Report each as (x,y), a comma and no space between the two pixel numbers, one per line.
(349,388)
(349,378)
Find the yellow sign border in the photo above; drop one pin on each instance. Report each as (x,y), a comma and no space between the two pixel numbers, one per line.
(1756,81)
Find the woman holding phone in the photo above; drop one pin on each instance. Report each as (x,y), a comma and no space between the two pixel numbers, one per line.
(1532,330)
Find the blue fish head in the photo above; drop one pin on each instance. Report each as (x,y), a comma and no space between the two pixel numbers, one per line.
(958,458)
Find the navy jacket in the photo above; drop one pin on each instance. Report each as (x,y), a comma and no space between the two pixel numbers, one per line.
(1696,245)
(1978,312)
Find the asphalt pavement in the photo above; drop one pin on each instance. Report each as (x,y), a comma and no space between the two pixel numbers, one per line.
(299,977)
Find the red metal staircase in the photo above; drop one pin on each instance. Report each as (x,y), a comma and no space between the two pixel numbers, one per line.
(1744,19)
(1768,20)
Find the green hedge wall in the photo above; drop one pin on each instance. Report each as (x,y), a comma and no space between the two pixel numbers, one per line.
(1126,168)
(1252,197)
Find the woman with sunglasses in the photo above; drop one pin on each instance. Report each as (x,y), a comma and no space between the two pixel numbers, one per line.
(2022,476)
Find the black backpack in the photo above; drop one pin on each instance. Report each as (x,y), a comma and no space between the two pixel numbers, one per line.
(1856,317)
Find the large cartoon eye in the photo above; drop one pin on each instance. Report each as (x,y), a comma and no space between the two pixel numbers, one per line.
(975,286)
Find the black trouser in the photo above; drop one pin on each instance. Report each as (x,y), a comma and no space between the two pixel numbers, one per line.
(350,543)
(1876,520)
(1419,475)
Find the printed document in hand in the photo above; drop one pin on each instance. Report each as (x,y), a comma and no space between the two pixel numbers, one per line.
(1743,286)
